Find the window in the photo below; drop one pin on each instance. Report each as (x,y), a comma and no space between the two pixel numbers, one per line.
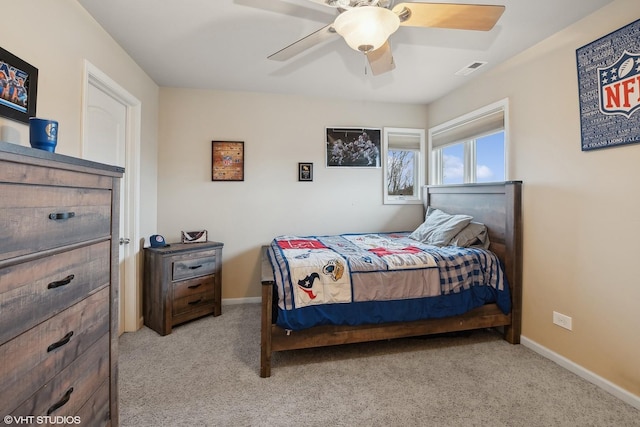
(403,164)
(471,148)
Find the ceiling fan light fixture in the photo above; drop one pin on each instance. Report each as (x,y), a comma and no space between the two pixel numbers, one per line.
(366,28)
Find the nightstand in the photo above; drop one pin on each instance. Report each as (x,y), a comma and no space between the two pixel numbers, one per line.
(182,282)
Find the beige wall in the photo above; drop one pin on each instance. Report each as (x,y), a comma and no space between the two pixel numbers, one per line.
(56,37)
(278,132)
(580,208)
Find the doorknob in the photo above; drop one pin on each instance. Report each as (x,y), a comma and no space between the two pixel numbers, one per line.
(125,241)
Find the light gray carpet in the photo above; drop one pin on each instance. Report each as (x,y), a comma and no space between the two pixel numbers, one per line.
(206,374)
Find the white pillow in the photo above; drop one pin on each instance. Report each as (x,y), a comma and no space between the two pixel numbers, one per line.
(439,227)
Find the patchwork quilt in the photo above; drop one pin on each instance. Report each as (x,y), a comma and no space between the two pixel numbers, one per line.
(352,279)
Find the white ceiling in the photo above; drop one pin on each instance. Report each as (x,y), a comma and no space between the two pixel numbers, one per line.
(224,44)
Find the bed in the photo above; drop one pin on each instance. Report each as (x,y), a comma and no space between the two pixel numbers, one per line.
(496,205)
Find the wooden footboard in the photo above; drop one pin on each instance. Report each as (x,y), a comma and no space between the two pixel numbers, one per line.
(497,205)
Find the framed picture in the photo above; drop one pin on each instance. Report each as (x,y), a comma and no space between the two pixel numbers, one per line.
(18,87)
(608,88)
(353,147)
(305,171)
(227,161)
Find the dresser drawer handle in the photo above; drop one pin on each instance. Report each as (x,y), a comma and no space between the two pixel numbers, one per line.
(60,343)
(61,402)
(61,215)
(195,302)
(195,267)
(62,282)
(194,286)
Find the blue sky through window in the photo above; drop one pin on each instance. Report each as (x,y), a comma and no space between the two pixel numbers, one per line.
(453,164)
(489,157)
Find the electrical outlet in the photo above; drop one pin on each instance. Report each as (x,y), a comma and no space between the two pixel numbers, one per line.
(562,320)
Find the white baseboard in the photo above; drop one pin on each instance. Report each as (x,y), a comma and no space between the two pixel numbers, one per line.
(593,378)
(234,301)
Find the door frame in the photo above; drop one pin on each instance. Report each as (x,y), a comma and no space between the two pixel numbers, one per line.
(93,76)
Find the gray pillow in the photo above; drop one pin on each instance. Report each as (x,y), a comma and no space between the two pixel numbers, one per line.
(439,227)
(474,234)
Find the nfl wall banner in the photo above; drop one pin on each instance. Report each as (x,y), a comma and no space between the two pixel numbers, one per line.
(609,89)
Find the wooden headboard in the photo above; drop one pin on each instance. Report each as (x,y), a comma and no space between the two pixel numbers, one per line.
(499,207)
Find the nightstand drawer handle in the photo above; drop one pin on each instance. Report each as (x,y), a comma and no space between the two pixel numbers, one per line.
(62,282)
(60,343)
(61,215)
(196,301)
(194,267)
(194,286)
(61,402)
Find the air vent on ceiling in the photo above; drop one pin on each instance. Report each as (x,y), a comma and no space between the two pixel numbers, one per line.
(470,68)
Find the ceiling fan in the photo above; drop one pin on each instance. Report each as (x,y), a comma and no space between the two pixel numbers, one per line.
(367,24)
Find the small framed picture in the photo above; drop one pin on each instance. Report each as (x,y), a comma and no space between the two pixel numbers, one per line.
(18,87)
(227,161)
(305,171)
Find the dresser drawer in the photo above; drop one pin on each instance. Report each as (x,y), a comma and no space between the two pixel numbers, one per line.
(37,355)
(36,218)
(97,407)
(34,291)
(68,391)
(193,299)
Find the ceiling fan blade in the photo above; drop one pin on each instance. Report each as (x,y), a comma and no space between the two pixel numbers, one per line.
(332,3)
(381,59)
(445,15)
(304,43)
(324,2)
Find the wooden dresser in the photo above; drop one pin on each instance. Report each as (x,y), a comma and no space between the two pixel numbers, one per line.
(58,288)
(182,281)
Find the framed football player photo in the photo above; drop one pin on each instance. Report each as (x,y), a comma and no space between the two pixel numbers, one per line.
(18,87)
(353,147)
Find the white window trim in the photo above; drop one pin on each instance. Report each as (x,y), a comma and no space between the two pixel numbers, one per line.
(420,165)
(435,160)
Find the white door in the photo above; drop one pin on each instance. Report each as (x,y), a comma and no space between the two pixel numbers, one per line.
(107,131)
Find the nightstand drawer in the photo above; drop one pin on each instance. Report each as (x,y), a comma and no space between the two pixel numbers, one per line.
(191,287)
(195,303)
(195,267)
(37,355)
(193,299)
(49,285)
(36,218)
